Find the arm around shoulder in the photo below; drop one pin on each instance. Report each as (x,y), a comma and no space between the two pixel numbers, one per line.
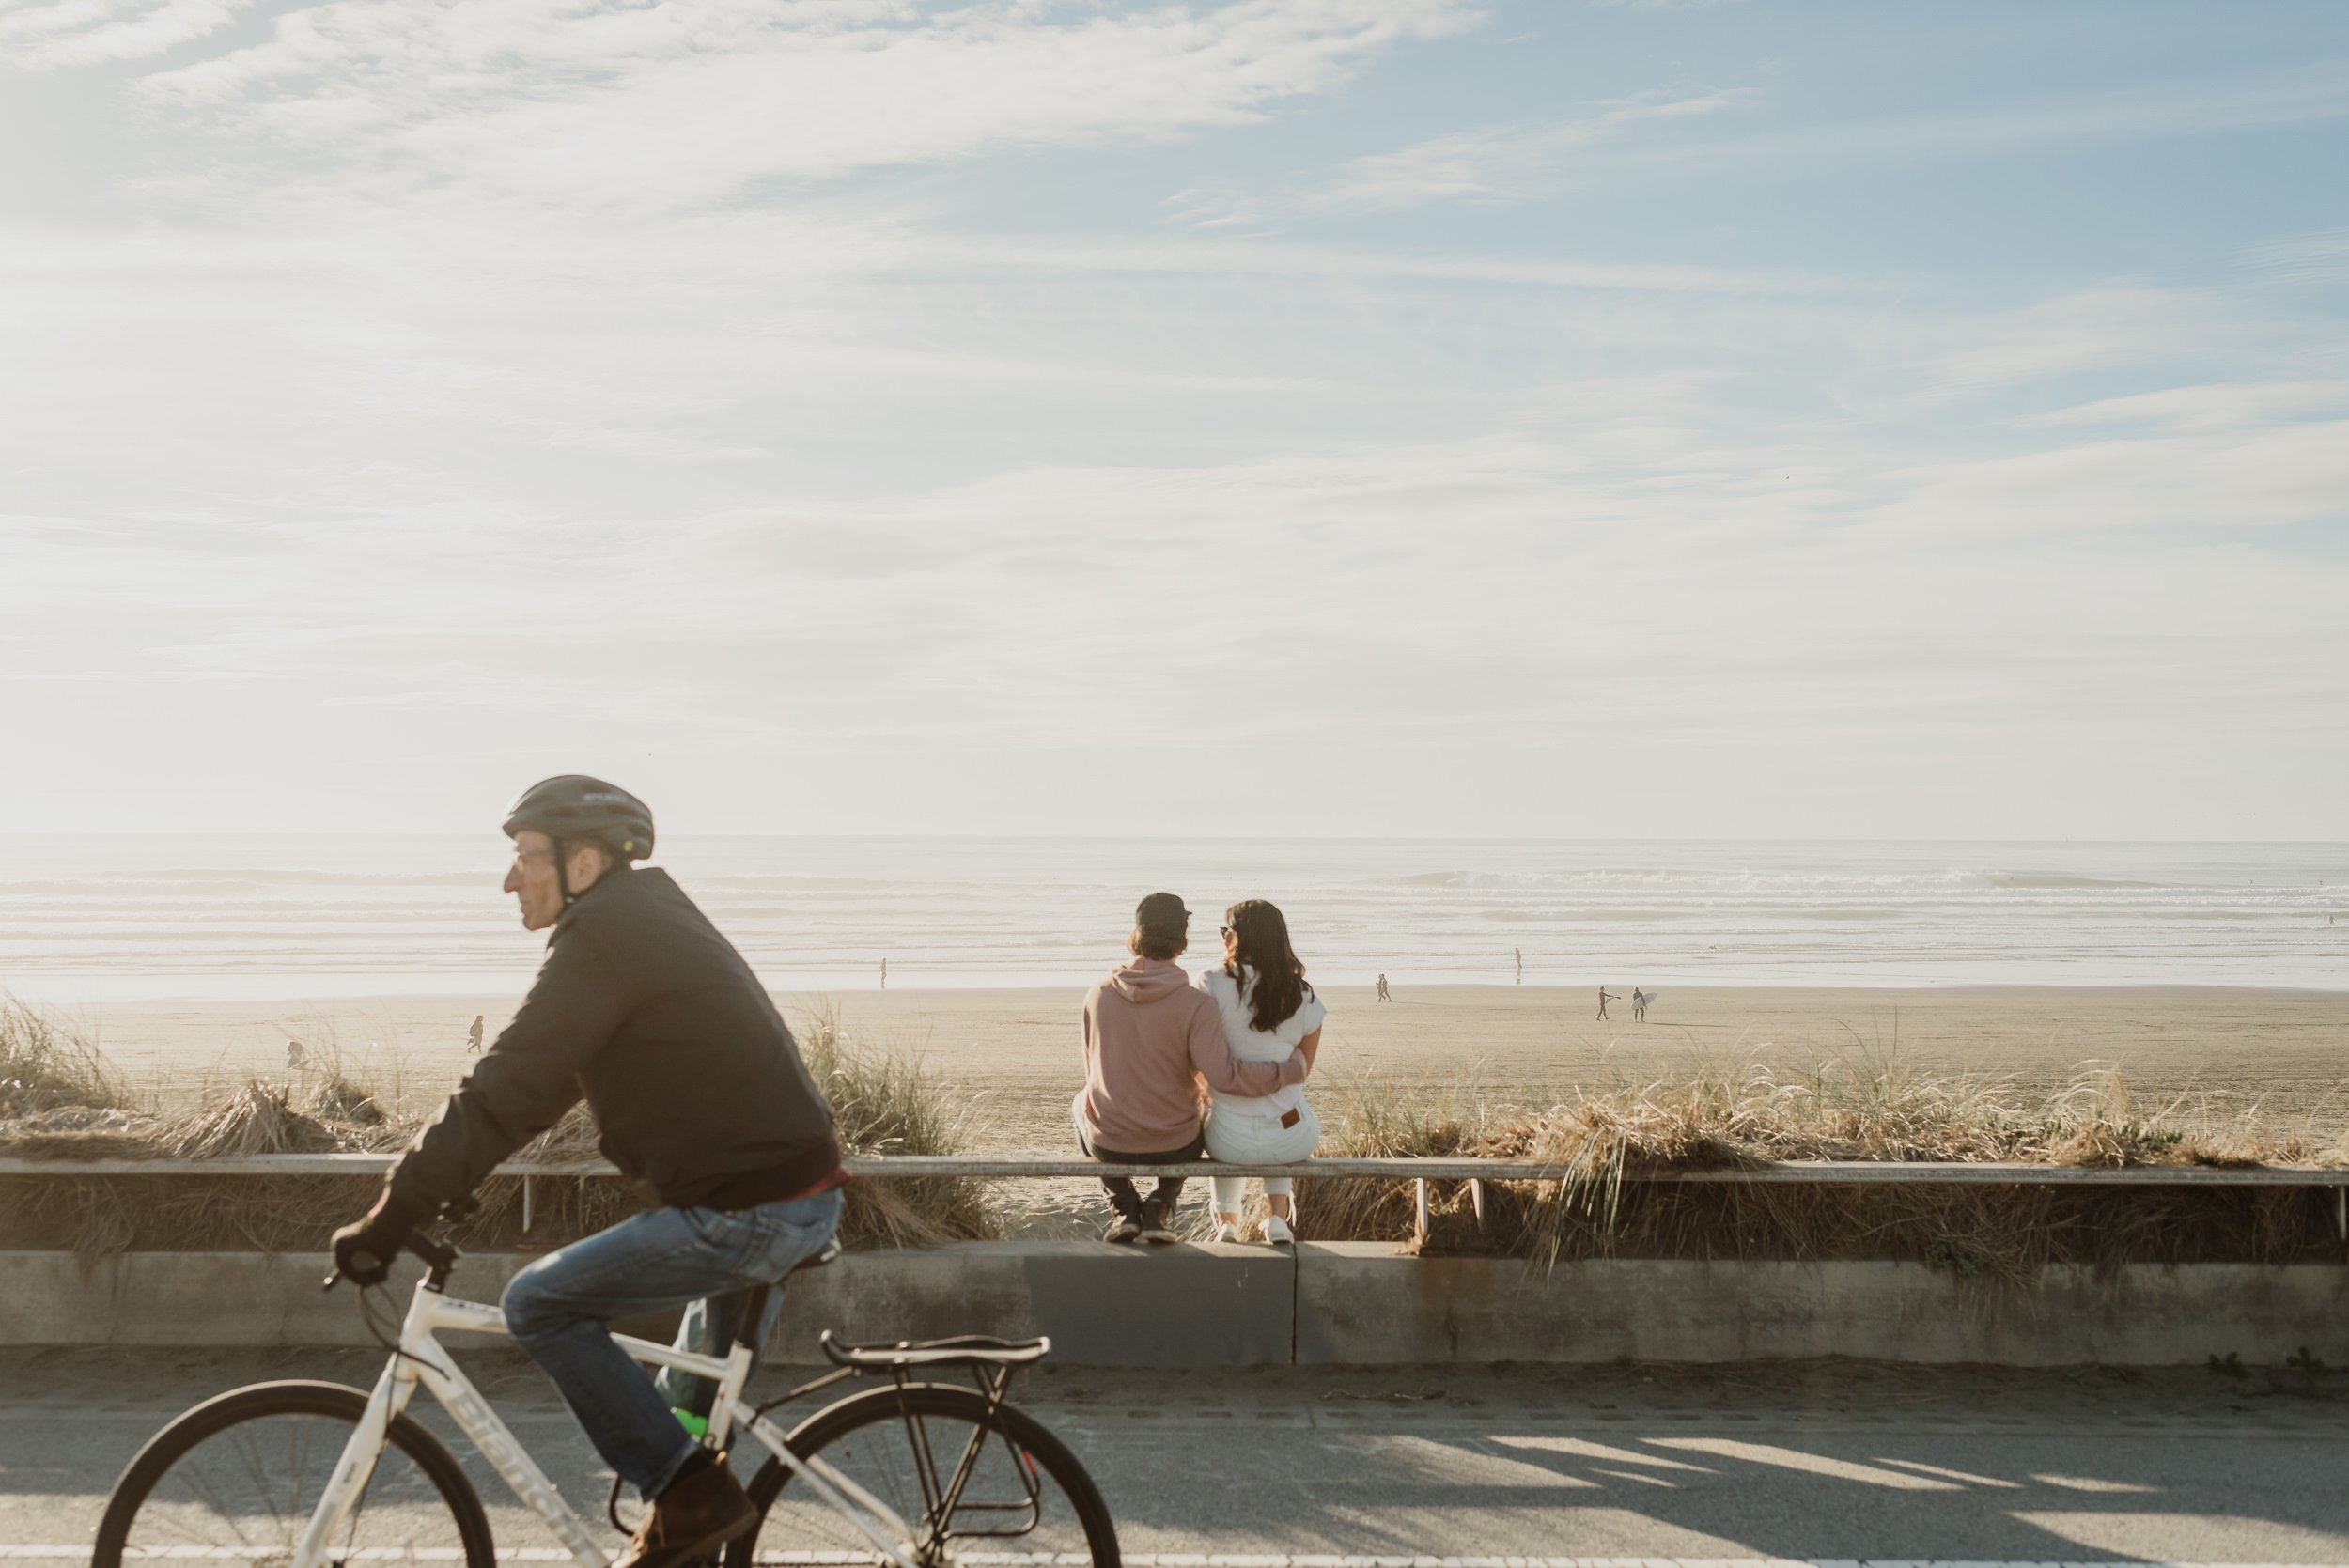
(1211,1057)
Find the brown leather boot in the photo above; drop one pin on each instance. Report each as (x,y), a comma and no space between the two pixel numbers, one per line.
(702,1509)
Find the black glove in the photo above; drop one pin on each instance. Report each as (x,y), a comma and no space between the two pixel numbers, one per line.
(364,1251)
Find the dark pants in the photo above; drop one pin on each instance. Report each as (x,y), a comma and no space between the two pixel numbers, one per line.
(1169,1192)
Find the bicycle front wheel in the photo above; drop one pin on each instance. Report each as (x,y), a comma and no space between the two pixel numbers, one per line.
(973,1484)
(237,1477)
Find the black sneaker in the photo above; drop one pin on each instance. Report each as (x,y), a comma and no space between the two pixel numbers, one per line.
(1155,1229)
(1123,1229)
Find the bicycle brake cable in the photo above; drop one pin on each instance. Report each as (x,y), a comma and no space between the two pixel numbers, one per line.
(612,1508)
(380,1331)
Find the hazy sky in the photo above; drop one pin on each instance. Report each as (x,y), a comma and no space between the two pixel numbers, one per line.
(1412,416)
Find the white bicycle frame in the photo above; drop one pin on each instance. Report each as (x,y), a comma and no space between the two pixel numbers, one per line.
(421,1360)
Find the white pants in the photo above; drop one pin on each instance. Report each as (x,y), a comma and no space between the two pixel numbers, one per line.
(1254,1139)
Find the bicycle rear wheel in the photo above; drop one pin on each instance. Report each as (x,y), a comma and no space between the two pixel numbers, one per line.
(972,1484)
(236,1479)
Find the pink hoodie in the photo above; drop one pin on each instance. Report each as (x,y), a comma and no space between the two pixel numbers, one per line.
(1149,1038)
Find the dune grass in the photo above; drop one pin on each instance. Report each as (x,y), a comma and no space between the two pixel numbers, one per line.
(60,1097)
(65,1100)
(885,1104)
(46,1068)
(1862,1108)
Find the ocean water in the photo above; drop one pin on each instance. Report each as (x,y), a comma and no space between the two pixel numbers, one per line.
(91,919)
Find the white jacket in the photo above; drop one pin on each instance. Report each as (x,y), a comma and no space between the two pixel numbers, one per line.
(1249,1043)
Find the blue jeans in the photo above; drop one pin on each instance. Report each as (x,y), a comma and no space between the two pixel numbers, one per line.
(560,1308)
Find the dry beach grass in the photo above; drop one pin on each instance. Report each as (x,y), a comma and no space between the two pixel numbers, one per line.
(64,1098)
(1861,1109)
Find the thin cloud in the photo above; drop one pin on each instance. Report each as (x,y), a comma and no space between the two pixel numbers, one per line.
(1529,162)
(2212,406)
(2308,94)
(1491,165)
(2171,331)
(1499,164)
(1247,256)
(624,108)
(2222,477)
(63,35)
(2321,258)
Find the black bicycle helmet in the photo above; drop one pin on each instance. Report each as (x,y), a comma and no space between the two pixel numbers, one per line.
(573,806)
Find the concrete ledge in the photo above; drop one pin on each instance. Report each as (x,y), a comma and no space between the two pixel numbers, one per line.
(1327,1303)
(208,1298)
(1102,1305)
(1357,1304)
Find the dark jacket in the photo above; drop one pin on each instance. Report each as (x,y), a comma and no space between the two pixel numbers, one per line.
(644,1009)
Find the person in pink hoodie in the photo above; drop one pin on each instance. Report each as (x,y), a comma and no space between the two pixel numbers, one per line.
(1151,1042)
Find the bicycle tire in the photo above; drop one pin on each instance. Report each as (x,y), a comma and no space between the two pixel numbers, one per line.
(832,1432)
(169,1452)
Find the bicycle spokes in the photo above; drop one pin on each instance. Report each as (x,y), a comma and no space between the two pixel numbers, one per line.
(948,1468)
(988,1488)
(247,1495)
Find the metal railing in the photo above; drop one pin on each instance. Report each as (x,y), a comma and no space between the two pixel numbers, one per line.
(1420,1171)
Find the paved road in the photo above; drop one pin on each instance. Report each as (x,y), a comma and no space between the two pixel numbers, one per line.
(1815,1463)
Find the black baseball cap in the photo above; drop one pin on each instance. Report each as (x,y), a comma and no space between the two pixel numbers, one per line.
(1162,910)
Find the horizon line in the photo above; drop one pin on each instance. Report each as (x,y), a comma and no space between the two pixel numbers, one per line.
(1197,838)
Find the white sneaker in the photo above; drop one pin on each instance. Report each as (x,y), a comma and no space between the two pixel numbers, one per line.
(1276,1230)
(1226,1230)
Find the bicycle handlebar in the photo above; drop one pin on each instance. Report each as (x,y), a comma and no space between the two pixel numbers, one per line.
(438,1258)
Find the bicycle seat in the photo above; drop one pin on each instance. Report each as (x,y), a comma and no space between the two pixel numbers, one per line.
(963,1350)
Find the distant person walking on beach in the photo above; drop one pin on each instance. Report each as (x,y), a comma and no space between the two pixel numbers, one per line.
(884,975)
(1520,957)
(1382,995)
(1604,998)
(1267,1011)
(1150,1040)
(1640,1000)
(472,1037)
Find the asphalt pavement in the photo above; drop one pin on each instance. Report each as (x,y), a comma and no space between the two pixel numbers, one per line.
(1813,1462)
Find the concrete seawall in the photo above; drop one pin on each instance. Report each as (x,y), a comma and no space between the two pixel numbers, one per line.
(1327,1303)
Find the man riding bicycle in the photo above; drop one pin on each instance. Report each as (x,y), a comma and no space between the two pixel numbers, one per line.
(697,1087)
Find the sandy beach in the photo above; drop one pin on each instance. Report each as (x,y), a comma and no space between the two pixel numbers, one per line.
(2284,1053)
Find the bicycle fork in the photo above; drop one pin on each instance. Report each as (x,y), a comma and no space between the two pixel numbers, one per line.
(353,1471)
(488,1434)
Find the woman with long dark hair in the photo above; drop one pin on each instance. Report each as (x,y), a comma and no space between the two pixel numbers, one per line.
(1268,1013)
